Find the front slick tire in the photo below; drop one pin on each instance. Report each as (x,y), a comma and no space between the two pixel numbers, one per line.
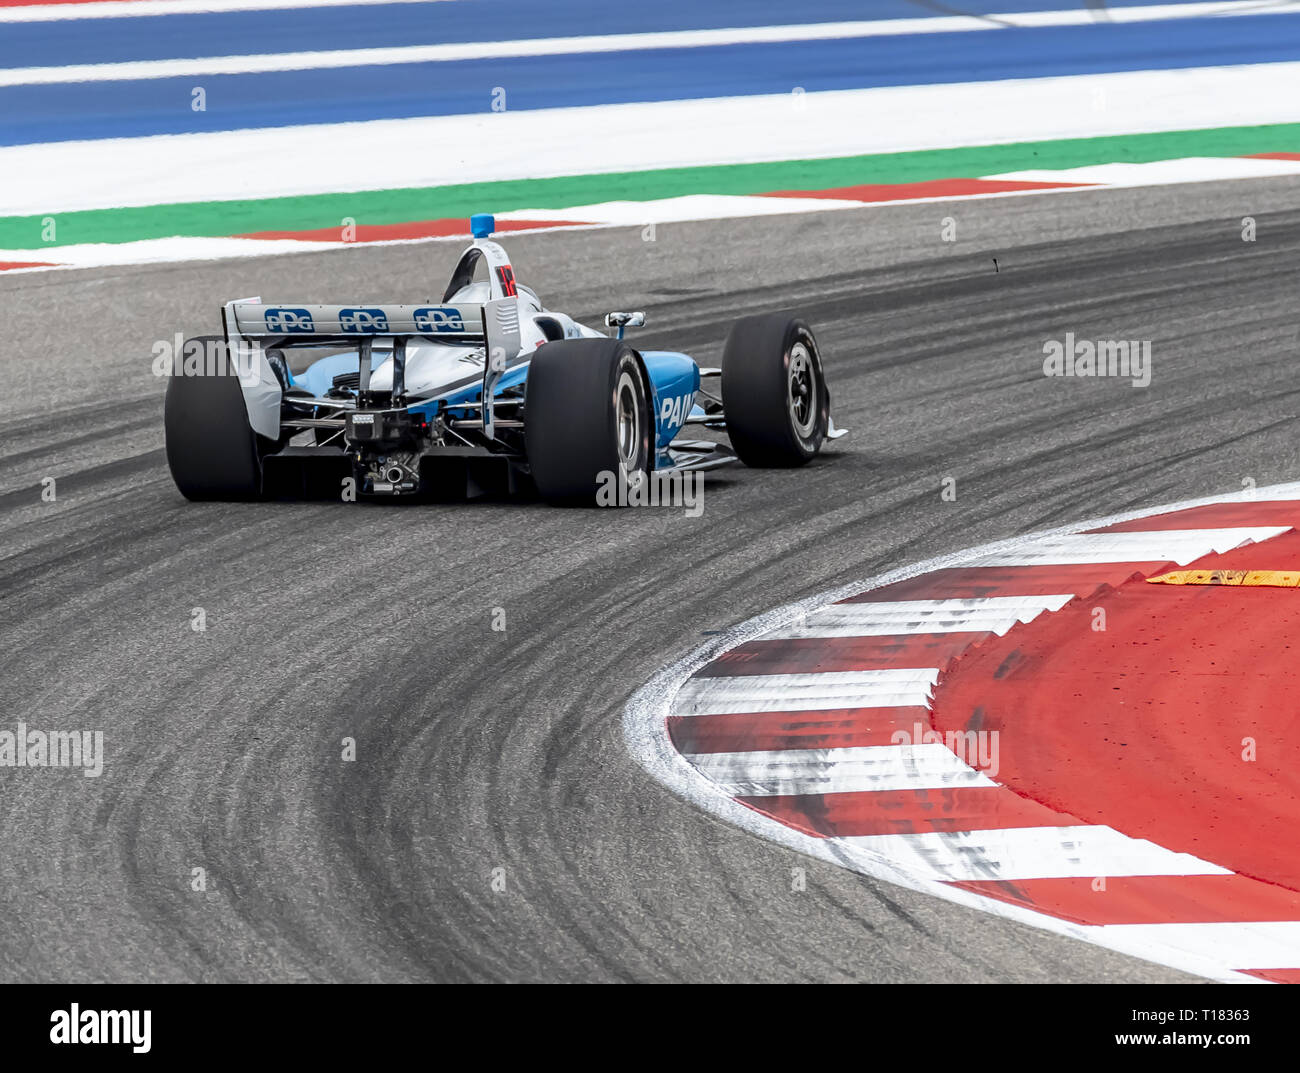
(586,417)
(773,392)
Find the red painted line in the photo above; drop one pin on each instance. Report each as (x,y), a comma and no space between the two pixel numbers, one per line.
(905,812)
(5,265)
(1215,516)
(810,654)
(448,228)
(1273,156)
(970,582)
(834,728)
(1277,976)
(1147,899)
(1149,725)
(872,192)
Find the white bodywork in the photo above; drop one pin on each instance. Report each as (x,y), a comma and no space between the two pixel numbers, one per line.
(432,368)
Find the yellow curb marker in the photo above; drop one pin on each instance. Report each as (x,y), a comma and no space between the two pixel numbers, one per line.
(1283,579)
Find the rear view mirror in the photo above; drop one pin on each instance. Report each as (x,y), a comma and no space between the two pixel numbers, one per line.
(624,320)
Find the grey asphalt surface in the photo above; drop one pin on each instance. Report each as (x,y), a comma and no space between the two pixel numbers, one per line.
(487,755)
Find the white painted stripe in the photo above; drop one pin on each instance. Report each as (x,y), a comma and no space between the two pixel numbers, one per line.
(405,54)
(65,176)
(688,207)
(994,614)
(1173,545)
(1020,605)
(117,9)
(1030,853)
(837,771)
(1161,172)
(805,692)
(646,733)
(828,627)
(1271,944)
(594,43)
(149,251)
(187,248)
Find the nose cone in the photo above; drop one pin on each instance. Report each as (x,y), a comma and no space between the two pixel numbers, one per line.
(482,224)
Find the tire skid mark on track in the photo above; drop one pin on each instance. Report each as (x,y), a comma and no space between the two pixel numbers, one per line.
(480,750)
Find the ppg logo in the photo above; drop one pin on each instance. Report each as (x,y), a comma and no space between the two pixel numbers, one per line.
(363,321)
(438,320)
(289,320)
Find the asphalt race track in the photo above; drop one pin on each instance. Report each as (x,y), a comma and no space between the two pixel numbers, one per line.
(479,750)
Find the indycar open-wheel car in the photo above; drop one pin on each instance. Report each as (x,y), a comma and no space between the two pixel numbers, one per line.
(488,390)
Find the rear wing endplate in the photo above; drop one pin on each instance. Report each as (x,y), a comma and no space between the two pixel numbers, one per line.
(501,329)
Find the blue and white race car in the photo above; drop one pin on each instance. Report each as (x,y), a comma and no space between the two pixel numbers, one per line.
(488,390)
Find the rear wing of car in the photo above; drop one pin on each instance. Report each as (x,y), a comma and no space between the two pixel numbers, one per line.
(253,320)
(495,324)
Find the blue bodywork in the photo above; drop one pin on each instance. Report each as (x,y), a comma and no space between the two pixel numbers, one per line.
(674,384)
(318,378)
(674,381)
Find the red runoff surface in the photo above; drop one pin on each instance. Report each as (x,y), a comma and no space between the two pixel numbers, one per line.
(1175,723)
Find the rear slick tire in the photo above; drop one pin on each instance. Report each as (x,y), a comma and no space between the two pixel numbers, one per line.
(212,450)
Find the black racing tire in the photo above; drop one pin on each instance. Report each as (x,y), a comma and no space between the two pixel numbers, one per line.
(212,450)
(774,394)
(587,413)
